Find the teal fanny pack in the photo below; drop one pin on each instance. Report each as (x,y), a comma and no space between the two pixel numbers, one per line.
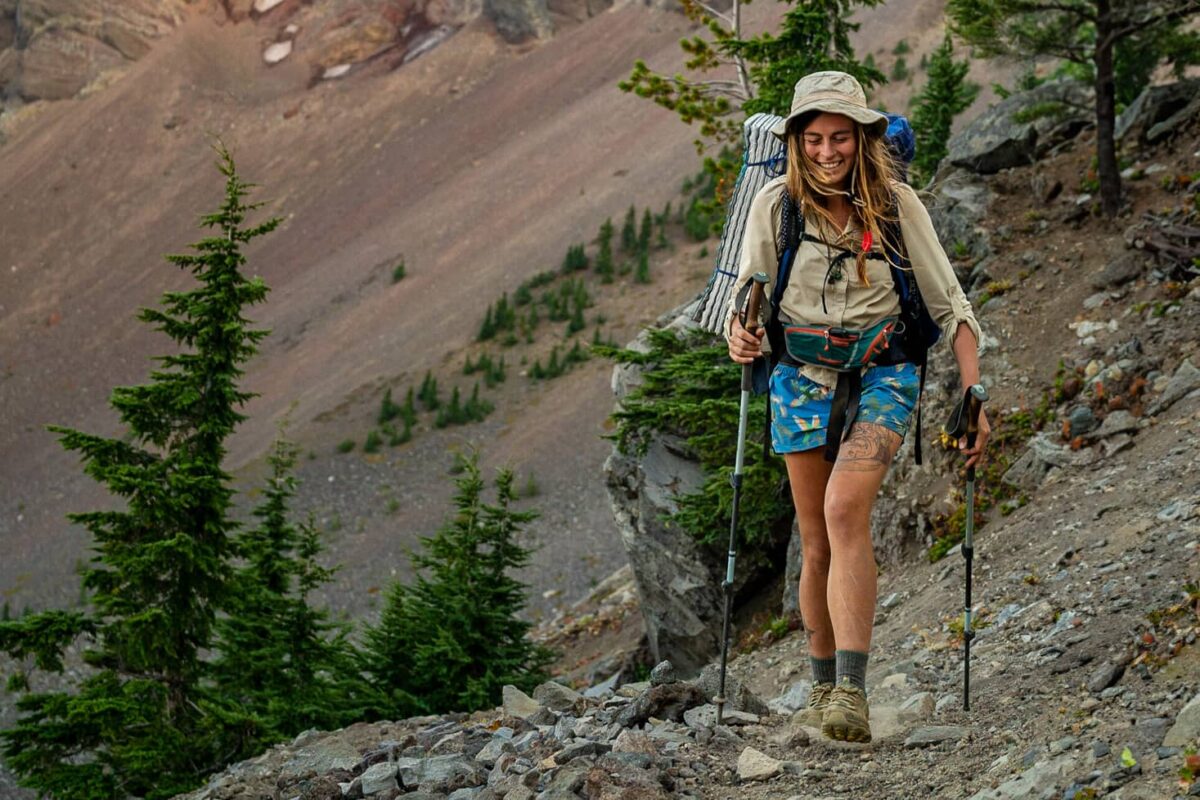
(842,349)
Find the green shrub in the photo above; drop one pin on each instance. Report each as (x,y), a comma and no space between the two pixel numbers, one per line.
(345,446)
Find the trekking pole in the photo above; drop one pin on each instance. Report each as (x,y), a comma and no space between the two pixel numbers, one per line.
(972,403)
(750,323)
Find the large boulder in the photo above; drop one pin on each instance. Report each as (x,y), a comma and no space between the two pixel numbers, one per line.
(958,206)
(680,600)
(678,579)
(520,20)
(1160,110)
(1021,128)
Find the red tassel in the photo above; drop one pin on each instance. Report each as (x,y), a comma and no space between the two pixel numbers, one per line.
(867,241)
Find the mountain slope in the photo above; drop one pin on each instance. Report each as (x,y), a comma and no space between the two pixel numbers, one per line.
(459,162)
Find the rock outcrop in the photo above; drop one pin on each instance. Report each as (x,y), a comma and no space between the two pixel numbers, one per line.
(53,49)
(1022,128)
(678,579)
(1159,111)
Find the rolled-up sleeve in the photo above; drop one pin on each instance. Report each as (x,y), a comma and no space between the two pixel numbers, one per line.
(758,245)
(943,296)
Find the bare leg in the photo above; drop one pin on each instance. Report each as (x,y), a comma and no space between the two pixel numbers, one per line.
(861,466)
(808,474)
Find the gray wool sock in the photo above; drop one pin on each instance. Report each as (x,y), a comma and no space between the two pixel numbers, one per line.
(852,666)
(824,670)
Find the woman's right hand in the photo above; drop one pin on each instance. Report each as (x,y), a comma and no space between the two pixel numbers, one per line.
(745,346)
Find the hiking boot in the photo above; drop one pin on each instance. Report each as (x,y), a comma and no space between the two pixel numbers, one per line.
(812,714)
(846,715)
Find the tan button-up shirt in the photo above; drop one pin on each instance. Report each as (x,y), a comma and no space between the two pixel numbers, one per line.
(848,302)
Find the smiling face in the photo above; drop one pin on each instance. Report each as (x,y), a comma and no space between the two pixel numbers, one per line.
(831,145)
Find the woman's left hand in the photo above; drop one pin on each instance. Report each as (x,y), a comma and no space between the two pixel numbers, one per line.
(975,455)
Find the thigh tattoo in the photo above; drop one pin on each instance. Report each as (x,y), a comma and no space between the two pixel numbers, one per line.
(869,448)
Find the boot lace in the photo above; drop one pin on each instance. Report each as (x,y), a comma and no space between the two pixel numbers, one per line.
(819,695)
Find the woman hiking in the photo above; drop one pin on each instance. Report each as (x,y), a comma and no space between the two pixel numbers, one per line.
(846,186)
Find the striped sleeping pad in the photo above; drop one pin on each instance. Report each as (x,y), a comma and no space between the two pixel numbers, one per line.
(763,159)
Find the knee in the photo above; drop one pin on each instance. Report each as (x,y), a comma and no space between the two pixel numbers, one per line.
(817,557)
(814,542)
(844,514)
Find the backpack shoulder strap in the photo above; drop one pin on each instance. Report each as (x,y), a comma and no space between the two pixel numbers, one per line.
(791,233)
(912,310)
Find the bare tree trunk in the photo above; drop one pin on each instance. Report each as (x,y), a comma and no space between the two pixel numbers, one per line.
(743,73)
(1106,113)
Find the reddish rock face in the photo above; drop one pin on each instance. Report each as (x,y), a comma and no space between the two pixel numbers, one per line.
(340,32)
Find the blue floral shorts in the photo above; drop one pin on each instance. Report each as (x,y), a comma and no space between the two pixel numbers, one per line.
(800,406)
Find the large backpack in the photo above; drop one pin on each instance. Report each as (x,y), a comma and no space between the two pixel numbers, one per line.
(764,158)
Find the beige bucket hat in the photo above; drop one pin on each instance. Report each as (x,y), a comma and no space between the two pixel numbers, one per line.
(836,93)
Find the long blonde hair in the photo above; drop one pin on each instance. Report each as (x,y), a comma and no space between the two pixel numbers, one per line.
(872,200)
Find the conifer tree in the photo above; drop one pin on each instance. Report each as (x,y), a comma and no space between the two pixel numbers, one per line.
(452,413)
(604,257)
(642,274)
(428,395)
(505,318)
(576,322)
(1093,35)
(575,260)
(814,35)
(388,410)
(643,242)
(629,231)
(409,410)
(487,328)
(280,659)
(452,640)
(144,723)
(946,94)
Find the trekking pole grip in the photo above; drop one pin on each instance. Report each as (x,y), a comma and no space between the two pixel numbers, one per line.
(976,397)
(758,283)
(757,290)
